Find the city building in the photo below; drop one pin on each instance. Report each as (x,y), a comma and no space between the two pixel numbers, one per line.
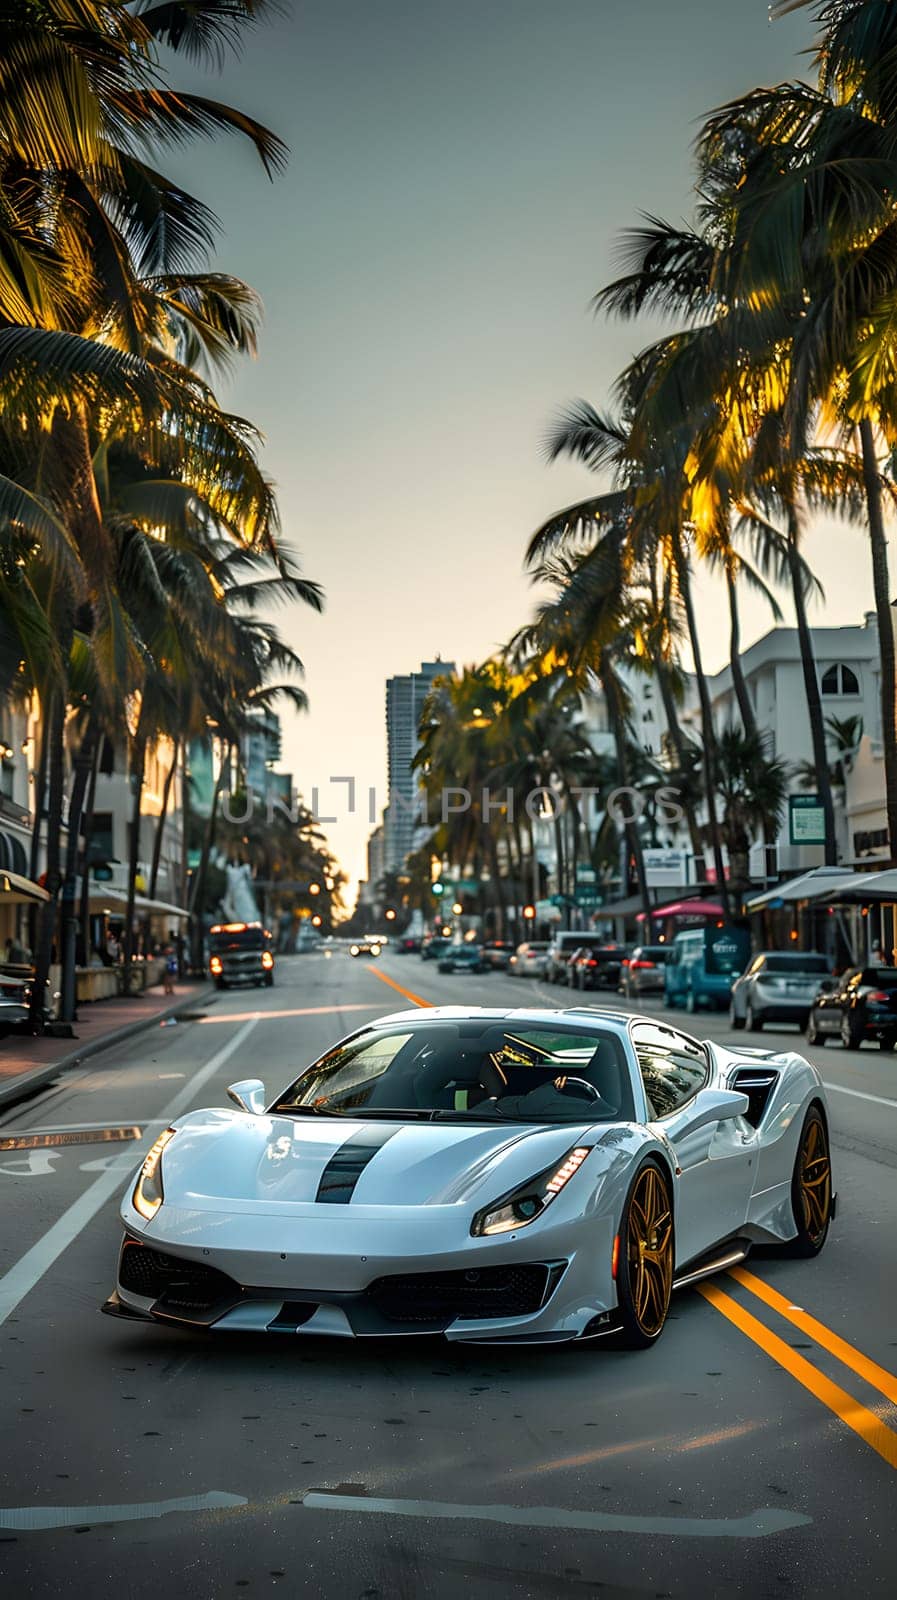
(848,665)
(405,696)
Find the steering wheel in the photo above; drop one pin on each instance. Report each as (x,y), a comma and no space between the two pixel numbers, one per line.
(581,1083)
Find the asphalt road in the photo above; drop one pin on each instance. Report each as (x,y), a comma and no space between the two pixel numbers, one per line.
(752,1452)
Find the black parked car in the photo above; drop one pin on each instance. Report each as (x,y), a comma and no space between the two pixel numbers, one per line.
(860,1005)
(596,966)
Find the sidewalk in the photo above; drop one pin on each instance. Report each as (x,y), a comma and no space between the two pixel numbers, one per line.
(27,1063)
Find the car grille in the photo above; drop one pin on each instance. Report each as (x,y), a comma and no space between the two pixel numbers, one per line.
(512,1291)
(180,1288)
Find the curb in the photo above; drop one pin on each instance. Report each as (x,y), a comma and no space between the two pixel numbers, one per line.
(19,1088)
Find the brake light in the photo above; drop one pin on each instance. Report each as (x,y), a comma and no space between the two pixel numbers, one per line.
(643,966)
(591,962)
(880,996)
(627,963)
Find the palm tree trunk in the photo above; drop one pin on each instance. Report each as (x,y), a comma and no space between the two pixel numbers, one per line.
(811,690)
(882,592)
(160,825)
(83,766)
(746,710)
(40,789)
(138,764)
(708,738)
(610,685)
(54,735)
(87,834)
(675,732)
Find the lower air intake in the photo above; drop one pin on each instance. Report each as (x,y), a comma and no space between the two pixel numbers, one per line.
(180,1288)
(513,1291)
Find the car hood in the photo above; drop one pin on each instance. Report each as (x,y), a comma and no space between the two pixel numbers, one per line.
(224,1159)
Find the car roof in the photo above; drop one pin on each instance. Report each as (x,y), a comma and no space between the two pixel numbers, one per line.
(618,1021)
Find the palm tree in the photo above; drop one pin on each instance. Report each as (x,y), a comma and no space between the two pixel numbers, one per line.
(753,788)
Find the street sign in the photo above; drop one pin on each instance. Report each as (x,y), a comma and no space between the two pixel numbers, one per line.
(589,898)
(586,875)
(806,819)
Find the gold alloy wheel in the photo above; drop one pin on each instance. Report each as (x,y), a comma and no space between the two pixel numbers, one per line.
(815,1179)
(649,1250)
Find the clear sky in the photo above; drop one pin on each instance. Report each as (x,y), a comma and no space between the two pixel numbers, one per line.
(459,176)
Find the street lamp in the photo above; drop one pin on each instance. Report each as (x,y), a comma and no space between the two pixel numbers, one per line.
(314,888)
(389,914)
(457,909)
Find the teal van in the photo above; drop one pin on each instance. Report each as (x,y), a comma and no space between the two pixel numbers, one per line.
(702,966)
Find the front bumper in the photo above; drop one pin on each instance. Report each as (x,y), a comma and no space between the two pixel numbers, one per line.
(367,1277)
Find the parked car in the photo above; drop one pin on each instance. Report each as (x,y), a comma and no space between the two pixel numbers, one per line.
(596,966)
(409,945)
(643,971)
(432,946)
(497,955)
(528,960)
(240,952)
(15,1003)
(702,966)
(860,1005)
(462,958)
(778,986)
(562,947)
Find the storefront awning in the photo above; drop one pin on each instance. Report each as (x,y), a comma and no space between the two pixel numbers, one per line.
(16,890)
(687,908)
(115,901)
(819,884)
(866,888)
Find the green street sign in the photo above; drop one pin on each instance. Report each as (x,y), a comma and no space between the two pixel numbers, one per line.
(467,885)
(806,819)
(588,898)
(586,875)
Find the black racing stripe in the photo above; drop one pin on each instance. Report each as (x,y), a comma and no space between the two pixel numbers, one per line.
(346,1165)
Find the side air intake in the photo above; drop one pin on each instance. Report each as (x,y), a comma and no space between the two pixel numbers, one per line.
(757,1083)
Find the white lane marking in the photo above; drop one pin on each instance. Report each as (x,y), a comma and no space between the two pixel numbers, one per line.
(29,1270)
(756,1525)
(859,1094)
(34,1518)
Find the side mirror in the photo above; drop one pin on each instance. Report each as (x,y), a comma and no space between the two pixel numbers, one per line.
(248,1095)
(714,1105)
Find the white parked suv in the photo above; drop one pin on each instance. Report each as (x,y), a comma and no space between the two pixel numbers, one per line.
(528,960)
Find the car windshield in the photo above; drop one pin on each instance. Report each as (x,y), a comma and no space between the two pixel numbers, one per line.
(236,938)
(477,1069)
(796,964)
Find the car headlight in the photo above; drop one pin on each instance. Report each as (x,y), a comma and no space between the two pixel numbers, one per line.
(528,1201)
(148,1193)
(215,964)
(267,960)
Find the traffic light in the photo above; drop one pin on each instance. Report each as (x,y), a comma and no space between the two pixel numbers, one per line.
(529,913)
(438,889)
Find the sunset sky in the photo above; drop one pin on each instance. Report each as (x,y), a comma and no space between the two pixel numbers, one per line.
(459,176)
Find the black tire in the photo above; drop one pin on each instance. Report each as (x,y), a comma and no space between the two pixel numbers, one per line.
(752,1022)
(811,1187)
(269,980)
(814,1037)
(220,983)
(851,1036)
(735,1021)
(642,1324)
(888,1041)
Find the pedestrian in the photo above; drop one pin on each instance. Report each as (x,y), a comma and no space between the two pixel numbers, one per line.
(171,970)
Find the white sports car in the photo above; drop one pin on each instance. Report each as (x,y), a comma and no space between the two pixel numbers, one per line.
(494,1176)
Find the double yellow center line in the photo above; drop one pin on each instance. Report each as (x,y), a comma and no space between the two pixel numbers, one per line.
(856,1416)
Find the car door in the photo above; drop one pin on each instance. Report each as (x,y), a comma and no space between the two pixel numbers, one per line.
(717,1162)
